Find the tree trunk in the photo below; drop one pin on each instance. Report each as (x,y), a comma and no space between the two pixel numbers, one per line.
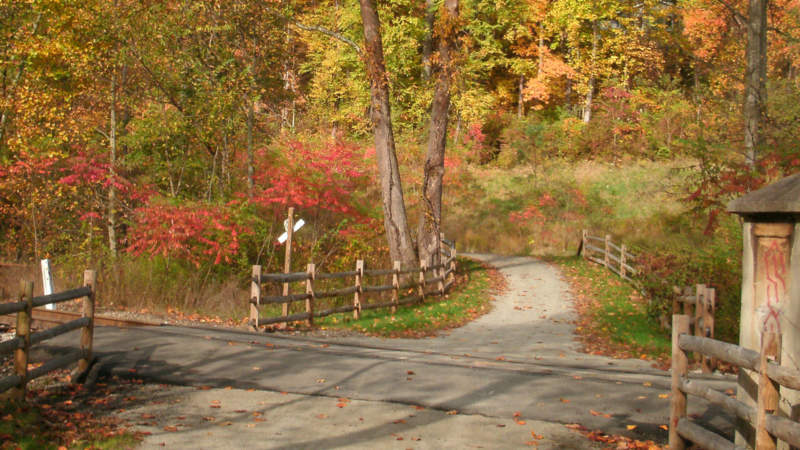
(401,246)
(112,168)
(587,108)
(755,93)
(427,44)
(431,218)
(521,97)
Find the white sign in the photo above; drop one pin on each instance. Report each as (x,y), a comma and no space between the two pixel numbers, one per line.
(299,224)
(47,282)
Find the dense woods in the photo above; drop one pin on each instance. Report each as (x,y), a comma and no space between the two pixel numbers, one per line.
(173,135)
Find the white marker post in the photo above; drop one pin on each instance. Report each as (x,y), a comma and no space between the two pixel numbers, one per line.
(47,282)
(286,237)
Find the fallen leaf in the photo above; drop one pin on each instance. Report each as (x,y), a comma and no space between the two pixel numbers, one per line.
(171,428)
(664,427)
(410,372)
(663,395)
(399,421)
(564,400)
(341,404)
(630,427)
(209,419)
(452,412)
(647,384)
(501,358)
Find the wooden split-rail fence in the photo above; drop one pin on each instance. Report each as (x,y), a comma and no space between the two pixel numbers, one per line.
(615,258)
(768,424)
(699,303)
(418,283)
(21,344)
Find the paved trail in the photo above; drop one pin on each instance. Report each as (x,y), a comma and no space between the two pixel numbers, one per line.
(460,389)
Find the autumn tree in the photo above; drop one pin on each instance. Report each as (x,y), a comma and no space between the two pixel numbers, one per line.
(428,236)
(398,235)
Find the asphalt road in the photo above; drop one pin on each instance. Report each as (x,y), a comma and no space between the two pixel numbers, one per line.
(501,381)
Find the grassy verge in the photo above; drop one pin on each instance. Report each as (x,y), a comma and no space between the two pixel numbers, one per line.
(468,300)
(63,416)
(613,317)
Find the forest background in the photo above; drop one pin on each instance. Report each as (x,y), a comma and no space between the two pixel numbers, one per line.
(162,141)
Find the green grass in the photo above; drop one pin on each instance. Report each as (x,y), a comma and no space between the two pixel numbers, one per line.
(613,311)
(466,302)
(31,426)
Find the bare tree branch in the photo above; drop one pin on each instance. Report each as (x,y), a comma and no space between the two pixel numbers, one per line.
(330,33)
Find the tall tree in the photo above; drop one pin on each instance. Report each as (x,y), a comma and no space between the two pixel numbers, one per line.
(755,93)
(431,215)
(401,247)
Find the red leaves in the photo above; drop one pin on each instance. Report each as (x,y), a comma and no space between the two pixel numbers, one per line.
(186,232)
(324,178)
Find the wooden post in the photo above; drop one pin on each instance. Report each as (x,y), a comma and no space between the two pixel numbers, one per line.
(707,325)
(677,293)
(607,251)
(87,333)
(679,369)
(312,273)
(440,284)
(423,267)
(622,260)
(767,401)
(255,295)
(687,307)
(395,285)
(357,296)
(699,306)
(287,261)
(24,333)
(711,300)
(453,263)
(584,234)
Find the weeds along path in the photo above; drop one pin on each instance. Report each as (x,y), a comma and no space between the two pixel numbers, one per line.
(514,369)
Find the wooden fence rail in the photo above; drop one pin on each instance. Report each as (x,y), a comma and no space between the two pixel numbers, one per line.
(21,344)
(436,280)
(769,426)
(615,258)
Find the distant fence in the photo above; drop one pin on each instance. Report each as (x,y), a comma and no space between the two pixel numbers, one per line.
(21,344)
(769,426)
(425,281)
(615,258)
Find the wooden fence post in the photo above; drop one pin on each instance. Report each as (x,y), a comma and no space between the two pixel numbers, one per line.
(312,273)
(87,333)
(622,260)
(453,263)
(287,261)
(687,307)
(24,333)
(395,285)
(584,234)
(767,390)
(357,294)
(255,295)
(423,267)
(711,299)
(679,369)
(700,298)
(440,284)
(607,251)
(677,292)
